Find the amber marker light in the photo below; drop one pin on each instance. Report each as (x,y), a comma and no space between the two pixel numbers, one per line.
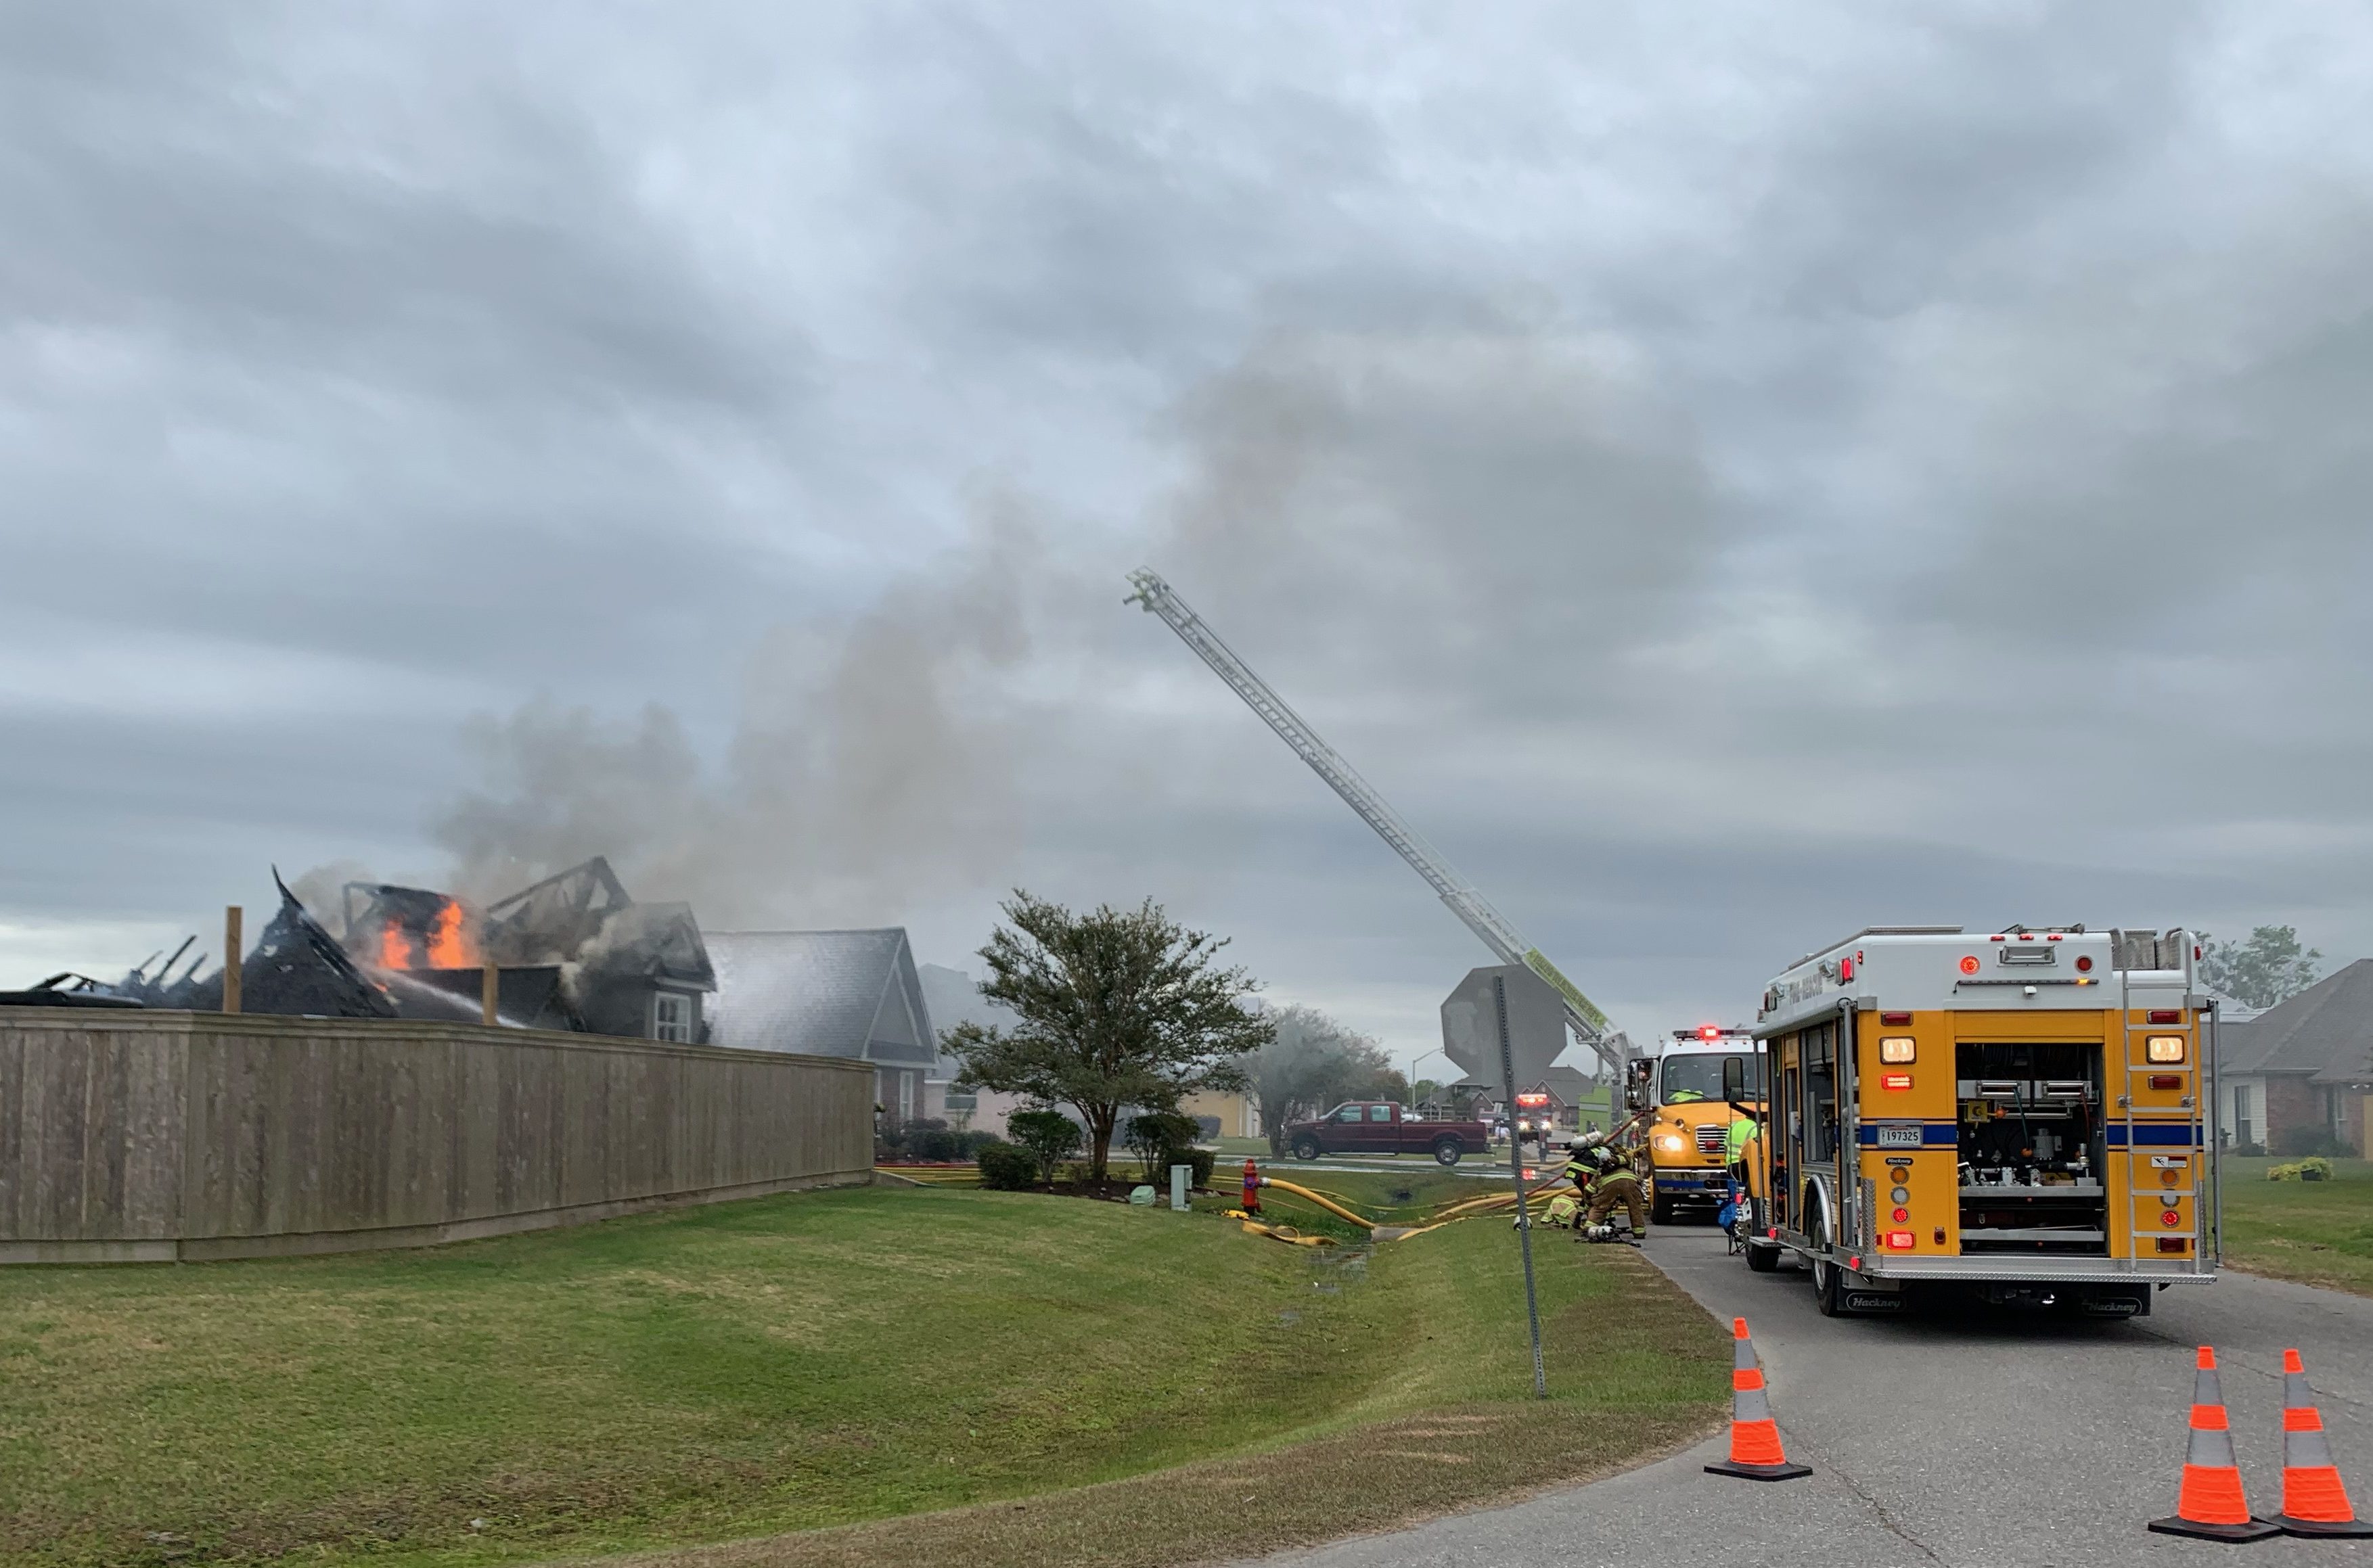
(1895,1049)
(2163,1048)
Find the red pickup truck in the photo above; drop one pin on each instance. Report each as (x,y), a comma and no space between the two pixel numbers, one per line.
(1381,1127)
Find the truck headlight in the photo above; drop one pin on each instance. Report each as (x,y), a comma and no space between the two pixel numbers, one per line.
(1668,1142)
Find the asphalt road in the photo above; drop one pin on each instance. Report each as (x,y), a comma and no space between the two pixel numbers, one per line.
(1963,1438)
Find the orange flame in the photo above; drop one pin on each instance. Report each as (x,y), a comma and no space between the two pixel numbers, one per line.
(394,948)
(449,945)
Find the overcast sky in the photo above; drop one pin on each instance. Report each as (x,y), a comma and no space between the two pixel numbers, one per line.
(1729,473)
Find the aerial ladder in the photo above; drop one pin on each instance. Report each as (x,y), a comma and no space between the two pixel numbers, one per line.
(1588,1025)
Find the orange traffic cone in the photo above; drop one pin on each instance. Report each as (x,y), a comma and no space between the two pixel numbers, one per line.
(1754,1450)
(2209,1505)
(2314,1502)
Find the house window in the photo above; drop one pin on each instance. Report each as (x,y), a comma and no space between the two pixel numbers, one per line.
(672,1016)
(906,1097)
(963,1099)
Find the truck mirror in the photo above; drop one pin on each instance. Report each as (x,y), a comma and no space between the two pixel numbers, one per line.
(1635,1087)
(1733,1080)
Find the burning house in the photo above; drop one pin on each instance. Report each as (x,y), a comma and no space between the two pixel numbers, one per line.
(573,952)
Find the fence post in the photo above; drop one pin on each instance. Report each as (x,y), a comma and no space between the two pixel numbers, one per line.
(233,992)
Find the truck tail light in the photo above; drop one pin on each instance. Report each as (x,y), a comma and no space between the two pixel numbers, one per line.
(1900,1241)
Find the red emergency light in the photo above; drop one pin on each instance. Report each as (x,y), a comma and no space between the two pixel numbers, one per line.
(1709,1031)
(1532,1100)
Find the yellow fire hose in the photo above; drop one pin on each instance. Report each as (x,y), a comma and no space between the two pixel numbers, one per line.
(1330,1205)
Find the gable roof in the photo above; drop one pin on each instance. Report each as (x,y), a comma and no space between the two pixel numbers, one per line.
(2326,1031)
(850,993)
(953,997)
(1571,1085)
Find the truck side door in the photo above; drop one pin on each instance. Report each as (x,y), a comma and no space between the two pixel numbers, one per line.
(1344,1127)
(1383,1127)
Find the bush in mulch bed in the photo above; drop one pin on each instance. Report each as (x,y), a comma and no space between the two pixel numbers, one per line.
(1005,1167)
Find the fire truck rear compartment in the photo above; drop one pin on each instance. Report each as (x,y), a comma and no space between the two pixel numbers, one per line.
(2032,1149)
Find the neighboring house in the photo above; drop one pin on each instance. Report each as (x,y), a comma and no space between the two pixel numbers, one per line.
(955,999)
(1238,1116)
(2304,1067)
(2240,1100)
(847,994)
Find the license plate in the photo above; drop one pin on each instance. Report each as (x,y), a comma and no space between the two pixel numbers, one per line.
(1899,1137)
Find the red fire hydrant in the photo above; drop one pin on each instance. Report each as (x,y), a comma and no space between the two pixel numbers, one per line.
(1252,1187)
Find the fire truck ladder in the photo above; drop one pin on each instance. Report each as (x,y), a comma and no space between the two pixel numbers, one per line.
(1582,1016)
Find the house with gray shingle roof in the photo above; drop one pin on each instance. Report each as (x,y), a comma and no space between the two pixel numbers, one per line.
(847,994)
(2303,1067)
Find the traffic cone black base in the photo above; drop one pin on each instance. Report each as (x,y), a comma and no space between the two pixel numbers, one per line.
(1760,1472)
(2256,1529)
(2291,1527)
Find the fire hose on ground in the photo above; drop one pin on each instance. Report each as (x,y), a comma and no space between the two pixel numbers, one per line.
(1490,1204)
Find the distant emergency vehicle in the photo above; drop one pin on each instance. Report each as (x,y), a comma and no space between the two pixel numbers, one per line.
(2030,1113)
(1679,1092)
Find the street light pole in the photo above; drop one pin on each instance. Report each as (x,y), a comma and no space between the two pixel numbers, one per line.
(1437,1051)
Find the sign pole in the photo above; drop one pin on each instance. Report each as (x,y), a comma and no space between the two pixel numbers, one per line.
(1516,1169)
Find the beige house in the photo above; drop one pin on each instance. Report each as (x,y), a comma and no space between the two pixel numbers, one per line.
(1238,1115)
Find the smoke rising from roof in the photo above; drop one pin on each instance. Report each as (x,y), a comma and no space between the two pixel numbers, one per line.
(865,771)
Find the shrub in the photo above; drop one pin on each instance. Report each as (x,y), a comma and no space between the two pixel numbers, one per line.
(931,1143)
(1006,1167)
(1049,1134)
(1202,1160)
(2316,1169)
(1161,1139)
(2297,1141)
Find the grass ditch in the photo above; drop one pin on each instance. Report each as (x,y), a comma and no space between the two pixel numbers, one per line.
(886,1359)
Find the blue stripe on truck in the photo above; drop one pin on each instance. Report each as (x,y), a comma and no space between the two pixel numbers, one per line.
(1933,1134)
(2175,1134)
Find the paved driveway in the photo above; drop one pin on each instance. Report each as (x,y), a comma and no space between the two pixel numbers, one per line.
(1981,1438)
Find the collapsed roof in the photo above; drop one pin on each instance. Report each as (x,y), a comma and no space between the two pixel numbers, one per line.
(564,948)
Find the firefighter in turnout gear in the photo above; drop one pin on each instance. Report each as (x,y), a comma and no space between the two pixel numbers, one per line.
(1608,1179)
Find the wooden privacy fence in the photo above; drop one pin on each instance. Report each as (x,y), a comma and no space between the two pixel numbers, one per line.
(156,1137)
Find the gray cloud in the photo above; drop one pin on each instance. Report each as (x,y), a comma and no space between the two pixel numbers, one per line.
(1727,476)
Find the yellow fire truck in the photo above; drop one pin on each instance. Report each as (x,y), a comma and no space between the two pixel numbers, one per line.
(2030,1114)
(1677,1094)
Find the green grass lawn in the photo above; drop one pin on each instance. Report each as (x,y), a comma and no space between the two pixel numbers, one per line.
(778,1365)
(2314,1232)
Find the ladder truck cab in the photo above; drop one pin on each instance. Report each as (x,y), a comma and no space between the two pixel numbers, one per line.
(1677,1094)
(2030,1114)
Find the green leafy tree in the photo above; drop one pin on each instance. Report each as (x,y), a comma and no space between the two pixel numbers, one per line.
(1118,1008)
(1049,1134)
(1161,1139)
(2266,969)
(1311,1063)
